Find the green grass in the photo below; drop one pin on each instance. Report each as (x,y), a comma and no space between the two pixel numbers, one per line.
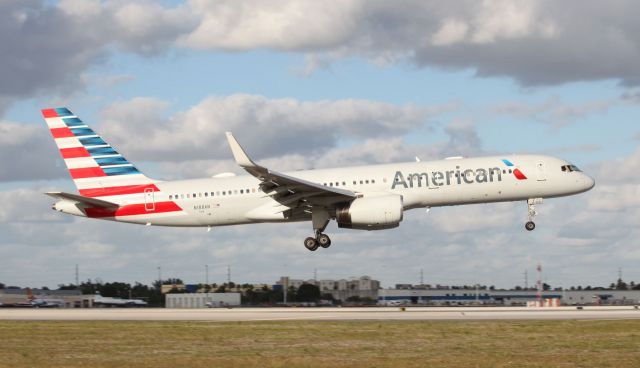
(321,344)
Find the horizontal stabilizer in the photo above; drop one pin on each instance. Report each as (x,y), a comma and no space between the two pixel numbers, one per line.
(84,200)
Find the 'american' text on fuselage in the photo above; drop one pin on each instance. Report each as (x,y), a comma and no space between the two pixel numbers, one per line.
(440,178)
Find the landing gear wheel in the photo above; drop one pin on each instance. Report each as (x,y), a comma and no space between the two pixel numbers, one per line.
(311,244)
(530,225)
(324,241)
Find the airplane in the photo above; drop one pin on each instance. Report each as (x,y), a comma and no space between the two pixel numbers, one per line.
(43,302)
(371,197)
(107,301)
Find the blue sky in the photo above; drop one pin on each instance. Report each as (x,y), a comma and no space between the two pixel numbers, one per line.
(468,78)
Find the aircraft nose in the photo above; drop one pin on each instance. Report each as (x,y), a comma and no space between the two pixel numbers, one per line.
(588,182)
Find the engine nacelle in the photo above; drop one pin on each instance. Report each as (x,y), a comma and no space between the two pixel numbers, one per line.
(371,213)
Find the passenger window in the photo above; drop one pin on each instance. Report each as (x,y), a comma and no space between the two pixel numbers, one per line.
(235,191)
(182,196)
(337,183)
(170,196)
(200,195)
(504,171)
(354,182)
(212,194)
(206,194)
(361,181)
(194,195)
(241,191)
(224,193)
(373,181)
(330,184)
(366,181)
(343,183)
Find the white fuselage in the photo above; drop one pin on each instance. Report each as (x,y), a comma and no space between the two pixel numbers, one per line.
(239,199)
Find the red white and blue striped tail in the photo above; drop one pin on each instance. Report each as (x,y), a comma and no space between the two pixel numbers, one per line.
(96,168)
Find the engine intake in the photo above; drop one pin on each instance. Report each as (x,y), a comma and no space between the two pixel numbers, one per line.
(371,213)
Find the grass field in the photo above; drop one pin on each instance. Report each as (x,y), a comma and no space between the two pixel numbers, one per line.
(321,344)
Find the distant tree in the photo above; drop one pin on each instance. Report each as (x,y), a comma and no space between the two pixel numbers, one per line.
(621,285)
(636,287)
(67,287)
(2,286)
(492,288)
(172,281)
(221,289)
(546,287)
(367,300)
(353,299)
(327,296)
(308,293)
(175,290)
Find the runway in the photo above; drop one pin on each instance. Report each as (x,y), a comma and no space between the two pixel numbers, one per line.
(323,314)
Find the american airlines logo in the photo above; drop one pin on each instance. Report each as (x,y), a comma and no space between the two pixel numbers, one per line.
(457,176)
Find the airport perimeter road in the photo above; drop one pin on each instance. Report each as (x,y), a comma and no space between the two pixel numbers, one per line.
(328,314)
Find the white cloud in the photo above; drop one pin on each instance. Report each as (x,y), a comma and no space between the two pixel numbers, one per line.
(505,19)
(27,152)
(536,43)
(276,126)
(281,24)
(452,31)
(553,110)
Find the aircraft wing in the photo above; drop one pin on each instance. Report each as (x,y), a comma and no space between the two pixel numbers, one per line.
(84,200)
(283,185)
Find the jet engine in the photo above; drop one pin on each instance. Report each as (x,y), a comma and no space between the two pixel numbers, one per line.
(371,213)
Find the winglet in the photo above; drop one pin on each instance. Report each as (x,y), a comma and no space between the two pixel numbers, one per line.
(238,153)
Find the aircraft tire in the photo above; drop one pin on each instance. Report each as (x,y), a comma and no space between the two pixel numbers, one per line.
(324,241)
(311,244)
(530,226)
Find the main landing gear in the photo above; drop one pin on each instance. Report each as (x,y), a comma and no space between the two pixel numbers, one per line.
(321,240)
(320,219)
(531,204)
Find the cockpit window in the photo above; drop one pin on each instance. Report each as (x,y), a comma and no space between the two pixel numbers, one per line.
(569,168)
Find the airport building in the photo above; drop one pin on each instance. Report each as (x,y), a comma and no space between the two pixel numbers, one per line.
(461,296)
(41,297)
(362,287)
(202,300)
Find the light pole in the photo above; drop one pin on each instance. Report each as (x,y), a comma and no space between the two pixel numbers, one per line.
(206,277)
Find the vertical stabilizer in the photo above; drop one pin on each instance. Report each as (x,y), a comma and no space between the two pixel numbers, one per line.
(96,168)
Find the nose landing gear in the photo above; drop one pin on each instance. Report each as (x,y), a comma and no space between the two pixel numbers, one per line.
(531,204)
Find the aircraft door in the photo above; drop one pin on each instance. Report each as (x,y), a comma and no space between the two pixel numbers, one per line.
(541,171)
(149,202)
